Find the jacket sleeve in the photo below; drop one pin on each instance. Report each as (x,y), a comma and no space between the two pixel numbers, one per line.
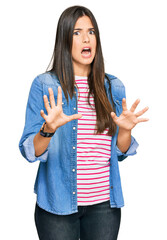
(119,94)
(33,123)
(130,152)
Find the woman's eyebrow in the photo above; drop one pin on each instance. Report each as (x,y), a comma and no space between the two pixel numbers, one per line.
(82,29)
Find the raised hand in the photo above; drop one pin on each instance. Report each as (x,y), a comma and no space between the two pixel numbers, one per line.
(128,119)
(55,117)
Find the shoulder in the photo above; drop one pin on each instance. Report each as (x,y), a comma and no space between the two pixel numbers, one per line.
(117,86)
(46,78)
(114,80)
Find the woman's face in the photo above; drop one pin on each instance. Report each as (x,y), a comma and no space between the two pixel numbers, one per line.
(83,46)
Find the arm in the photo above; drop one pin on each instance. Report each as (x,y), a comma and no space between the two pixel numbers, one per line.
(41,143)
(55,119)
(124,140)
(126,122)
(32,145)
(33,122)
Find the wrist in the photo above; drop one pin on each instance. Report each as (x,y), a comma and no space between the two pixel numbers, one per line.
(125,131)
(46,132)
(123,139)
(48,129)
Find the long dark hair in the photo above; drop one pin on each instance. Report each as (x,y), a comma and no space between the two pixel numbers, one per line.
(62,66)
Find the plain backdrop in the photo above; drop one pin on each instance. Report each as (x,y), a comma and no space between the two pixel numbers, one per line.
(134,43)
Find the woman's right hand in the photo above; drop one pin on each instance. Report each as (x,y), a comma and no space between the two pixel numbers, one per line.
(55,117)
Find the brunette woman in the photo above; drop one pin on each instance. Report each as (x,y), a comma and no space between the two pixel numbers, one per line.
(78,127)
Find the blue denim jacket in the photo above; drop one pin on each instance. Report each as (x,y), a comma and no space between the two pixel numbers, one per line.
(56,181)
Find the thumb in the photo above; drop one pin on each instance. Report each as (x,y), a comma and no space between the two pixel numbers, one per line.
(114,116)
(74,117)
(43,114)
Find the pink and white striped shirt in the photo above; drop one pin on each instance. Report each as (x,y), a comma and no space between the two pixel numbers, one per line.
(93,152)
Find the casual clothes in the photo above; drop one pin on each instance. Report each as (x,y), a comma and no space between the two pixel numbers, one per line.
(56,181)
(93,152)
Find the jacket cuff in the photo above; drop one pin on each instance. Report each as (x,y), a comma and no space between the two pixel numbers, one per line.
(130,152)
(29,151)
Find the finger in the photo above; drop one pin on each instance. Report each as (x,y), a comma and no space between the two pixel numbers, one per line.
(142,120)
(46,103)
(124,106)
(51,97)
(43,114)
(138,114)
(59,97)
(114,116)
(134,105)
(74,117)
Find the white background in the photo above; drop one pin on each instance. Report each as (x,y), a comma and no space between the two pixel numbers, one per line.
(134,43)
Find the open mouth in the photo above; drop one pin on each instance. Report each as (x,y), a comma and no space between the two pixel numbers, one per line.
(86,51)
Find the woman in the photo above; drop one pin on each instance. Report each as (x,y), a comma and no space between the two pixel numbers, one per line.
(78,127)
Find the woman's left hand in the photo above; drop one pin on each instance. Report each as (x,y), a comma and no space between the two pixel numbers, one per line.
(128,119)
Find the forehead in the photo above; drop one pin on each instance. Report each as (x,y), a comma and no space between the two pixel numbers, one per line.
(83,21)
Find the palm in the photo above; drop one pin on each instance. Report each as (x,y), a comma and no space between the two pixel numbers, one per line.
(56,117)
(57,113)
(128,119)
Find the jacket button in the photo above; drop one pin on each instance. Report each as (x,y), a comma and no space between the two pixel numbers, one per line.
(111,187)
(73,128)
(73,147)
(73,170)
(74,108)
(73,192)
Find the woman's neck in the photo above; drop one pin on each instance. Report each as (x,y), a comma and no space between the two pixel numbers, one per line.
(81,71)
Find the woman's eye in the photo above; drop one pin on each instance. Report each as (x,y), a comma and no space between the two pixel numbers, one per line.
(76,33)
(92,32)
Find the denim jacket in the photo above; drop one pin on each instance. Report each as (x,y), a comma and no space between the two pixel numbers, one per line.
(56,181)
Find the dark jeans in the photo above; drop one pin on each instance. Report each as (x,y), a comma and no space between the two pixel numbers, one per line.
(96,222)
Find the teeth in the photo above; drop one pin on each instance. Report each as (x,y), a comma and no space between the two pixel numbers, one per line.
(86,49)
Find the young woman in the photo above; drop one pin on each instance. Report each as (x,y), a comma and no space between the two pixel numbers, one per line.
(78,126)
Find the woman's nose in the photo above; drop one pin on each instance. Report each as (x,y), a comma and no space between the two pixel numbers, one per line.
(85,38)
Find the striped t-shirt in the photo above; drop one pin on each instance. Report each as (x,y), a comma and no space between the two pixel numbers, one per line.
(93,152)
